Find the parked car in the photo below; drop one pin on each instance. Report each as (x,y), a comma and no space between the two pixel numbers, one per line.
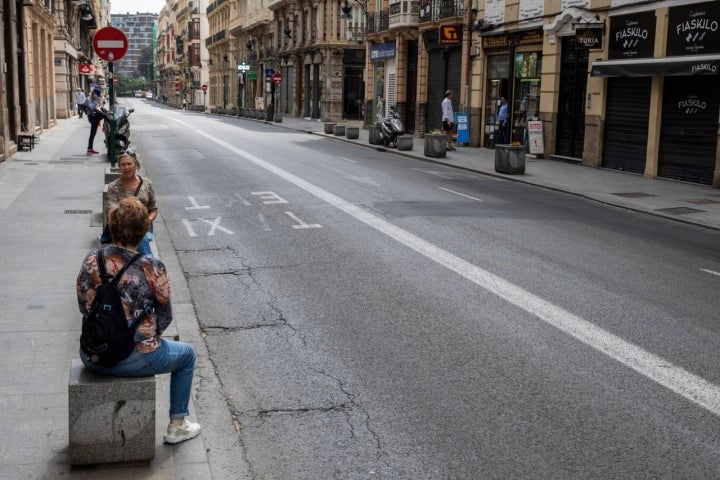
(149,95)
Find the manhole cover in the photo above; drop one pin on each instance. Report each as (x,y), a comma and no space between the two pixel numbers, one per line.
(77,212)
(634,194)
(701,201)
(679,210)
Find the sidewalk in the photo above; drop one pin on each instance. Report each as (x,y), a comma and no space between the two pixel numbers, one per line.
(50,213)
(50,204)
(683,202)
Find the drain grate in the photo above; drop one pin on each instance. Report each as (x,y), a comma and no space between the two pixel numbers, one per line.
(701,201)
(634,195)
(77,212)
(679,210)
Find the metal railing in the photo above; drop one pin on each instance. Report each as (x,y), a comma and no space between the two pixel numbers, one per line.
(431,10)
(378,21)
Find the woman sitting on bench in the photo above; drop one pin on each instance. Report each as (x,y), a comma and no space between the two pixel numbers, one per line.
(144,289)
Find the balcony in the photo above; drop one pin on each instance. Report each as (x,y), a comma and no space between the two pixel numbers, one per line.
(404,14)
(215,38)
(432,10)
(356,34)
(213,6)
(378,21)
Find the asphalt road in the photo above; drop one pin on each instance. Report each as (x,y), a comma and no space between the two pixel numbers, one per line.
(373,316)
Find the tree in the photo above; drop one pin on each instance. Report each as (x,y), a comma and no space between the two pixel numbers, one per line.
(145,65)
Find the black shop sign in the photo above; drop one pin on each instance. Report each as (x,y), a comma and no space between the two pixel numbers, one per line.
(694,29)
(589,35)
(632,36)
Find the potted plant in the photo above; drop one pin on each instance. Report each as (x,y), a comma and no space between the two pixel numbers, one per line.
(435,144)
(510,158)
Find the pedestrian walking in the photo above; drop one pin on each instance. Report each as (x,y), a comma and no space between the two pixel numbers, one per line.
(503,122)
(80,101)
(184,107)
(92,108)
(145,295)
(448,118)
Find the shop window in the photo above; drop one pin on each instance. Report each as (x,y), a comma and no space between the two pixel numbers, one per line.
(526,97)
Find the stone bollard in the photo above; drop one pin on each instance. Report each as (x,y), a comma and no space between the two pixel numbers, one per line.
(339,130)
(329,128)
(405,142)
(352,133)
(277,118)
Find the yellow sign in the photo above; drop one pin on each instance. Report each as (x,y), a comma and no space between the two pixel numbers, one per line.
(450,34)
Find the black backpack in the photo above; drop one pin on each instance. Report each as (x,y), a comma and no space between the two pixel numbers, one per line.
(106,336)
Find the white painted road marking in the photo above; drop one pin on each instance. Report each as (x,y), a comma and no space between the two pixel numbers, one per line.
(461,194)
(301,224)
(264,222)
(269,197)
(195,205)
(348,159)
(694,388)
(215,224)
(710,272)
(433,172)
(189,228)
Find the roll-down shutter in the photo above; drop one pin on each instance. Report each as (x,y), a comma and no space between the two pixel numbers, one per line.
(626,124)
(688,137)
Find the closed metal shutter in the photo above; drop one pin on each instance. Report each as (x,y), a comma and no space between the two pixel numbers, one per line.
(444,74)
(688,136)
(626,124)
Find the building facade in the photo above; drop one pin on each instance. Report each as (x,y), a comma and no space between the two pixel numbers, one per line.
(139,29)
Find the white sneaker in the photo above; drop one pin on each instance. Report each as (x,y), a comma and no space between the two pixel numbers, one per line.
(179,433)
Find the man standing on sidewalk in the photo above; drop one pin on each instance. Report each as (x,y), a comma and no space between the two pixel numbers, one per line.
(448,118)
(92,108)
(80,100)
(503,123)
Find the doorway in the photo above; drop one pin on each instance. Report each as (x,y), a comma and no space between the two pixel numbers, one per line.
(571,108)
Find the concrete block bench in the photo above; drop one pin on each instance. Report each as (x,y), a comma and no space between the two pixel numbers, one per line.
(111,419)
(405,142)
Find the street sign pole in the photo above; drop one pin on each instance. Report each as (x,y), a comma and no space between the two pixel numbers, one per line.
(111,92)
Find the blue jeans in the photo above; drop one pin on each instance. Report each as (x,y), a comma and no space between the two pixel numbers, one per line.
(144,246)
(175,358)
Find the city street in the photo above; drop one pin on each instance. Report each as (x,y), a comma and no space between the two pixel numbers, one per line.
(372,316)
(360,314)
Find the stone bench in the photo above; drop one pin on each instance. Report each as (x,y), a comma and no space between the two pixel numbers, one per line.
(111,419)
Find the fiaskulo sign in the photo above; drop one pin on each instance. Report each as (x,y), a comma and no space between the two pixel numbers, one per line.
(632,36)
(694,29)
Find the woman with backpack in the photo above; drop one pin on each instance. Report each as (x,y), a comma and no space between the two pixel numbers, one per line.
(145,296)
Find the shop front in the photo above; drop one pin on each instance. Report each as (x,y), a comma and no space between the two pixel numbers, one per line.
(686,93)
(514,68)
(444,67)
(383,82)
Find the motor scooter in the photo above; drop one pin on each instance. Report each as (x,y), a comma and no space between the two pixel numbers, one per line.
(119,116)
(392,127)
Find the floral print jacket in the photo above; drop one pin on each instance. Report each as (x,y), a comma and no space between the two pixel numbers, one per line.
(144,288)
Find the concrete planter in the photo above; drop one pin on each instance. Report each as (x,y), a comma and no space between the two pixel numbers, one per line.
(405,142)
(375,135)
(329,128)
(339,130)
(435,145)
(260,114)
(509,159)
(277,118)
(352,132)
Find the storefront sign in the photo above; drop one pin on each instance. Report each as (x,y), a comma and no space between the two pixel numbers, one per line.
(499,41)
(382,51)
(632,36)
(589,35)
(86,69)
(535,137)
(528,38)
(691,104)
(450,34)
(694,29)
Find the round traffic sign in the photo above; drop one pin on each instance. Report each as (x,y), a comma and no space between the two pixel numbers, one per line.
(110,44)
(277,78)
(204,87)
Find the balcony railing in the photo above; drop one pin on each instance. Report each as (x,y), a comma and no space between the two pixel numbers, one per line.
(215,38)
(356,34)
(378,21)
(431,10)
(404,13)
(213,6)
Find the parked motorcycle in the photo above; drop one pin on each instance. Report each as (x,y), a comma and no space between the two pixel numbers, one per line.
(392,127)
(119,116)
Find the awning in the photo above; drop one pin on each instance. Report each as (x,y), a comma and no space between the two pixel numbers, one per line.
(647,67)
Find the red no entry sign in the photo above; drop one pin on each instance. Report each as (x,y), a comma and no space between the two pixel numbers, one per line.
(276,78)
(110,44)
(204,88)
